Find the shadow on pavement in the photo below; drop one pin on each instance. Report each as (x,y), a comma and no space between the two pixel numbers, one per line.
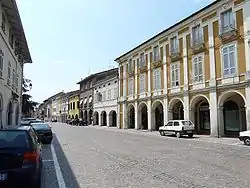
(68,174)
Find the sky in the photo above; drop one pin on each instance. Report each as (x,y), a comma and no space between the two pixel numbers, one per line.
(68,40)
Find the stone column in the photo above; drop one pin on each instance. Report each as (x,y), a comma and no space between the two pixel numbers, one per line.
(118,116)
(108,119)
(186,105)
(149,116)
(214,129)
(124,123)
(135,81)
(220,127)
(125,80)
(247,106)
(165,110)
(136,116)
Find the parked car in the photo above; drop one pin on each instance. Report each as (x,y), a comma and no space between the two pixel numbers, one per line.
(43,131)
(29,121)
(245,137)
(178,128)
(20,158)
(82,122)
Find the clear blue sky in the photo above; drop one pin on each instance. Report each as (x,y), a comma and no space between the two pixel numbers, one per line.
(69,39)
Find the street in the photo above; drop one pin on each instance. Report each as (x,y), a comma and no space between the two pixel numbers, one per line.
(109,157)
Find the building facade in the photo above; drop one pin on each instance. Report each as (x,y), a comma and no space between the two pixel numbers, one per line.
(105,99)
(74,105)
(14,53)
(64,107)
(198,69)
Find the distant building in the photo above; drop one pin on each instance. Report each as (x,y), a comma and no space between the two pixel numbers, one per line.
(14,53)
(105,98)
(73,104)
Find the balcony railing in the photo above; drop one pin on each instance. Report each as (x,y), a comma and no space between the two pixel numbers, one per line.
(174,53)
(198,43)
(228,32)
(156,61)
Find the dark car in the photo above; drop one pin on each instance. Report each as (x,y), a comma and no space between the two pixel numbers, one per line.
(43,131)
(20,158)
(27,122)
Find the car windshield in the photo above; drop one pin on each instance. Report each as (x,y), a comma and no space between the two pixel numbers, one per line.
(40,126)
(36,121)
(13,139)
(186,122)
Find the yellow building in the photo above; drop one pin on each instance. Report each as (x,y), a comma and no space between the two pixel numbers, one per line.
(197,69)
(73,109)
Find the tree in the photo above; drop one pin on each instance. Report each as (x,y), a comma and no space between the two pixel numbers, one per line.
(28,105)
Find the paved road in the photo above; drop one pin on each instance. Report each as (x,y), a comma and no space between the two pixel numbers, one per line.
(107,157)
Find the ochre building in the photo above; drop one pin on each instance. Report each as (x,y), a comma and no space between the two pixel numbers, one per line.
(198,69)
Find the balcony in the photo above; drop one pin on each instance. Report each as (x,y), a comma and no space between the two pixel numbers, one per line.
(198,44)
(228,32)
(157,61)
(175,54)
(131,72)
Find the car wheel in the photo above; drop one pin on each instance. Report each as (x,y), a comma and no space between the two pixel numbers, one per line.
(190,135)
(178,134)
(162,133)
(247,141)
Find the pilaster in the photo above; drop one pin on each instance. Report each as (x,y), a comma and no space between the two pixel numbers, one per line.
(165,70)
(186,105)
(149,74)
(247,106)
(124,118)
(211,55)
(214,129)
(136,116)
(149,115)
(165,110)
(125,80)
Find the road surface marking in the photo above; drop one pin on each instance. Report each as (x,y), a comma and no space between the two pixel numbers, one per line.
(59,175)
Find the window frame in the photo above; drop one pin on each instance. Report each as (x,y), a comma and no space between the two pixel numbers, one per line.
(142,89)
(9,74)
(200,35)
(235,58)
(177,50)
(178,65)
(157,78)
(142,61)
(131,86)
(156,53)
(130,65)
(193,68)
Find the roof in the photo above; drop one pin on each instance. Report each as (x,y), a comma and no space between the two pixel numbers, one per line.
(93,75)
(11,10)
(72,93)
(171,27)
(24,128)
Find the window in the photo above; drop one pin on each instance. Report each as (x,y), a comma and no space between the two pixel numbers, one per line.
(170,123)
(142,83)
(131,86)
(9,73)
(104,96)
(109,94)
(78,104)
(13,78)
(130,65)
(229,60)
(157,79)
(16,82)
(11,38)
(1,64)
(174,45)
(115,93)
(142,60)
(156,55)
(227,21)
(3,22)
(197,35)
(198,68)
(175,74)
(73,105)
(176,123)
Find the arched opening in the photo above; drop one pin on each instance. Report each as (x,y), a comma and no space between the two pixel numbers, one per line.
(76,116)
(112,119)
(85,116)
(103,118)
(96,118)
(72,117)
(90,116)
(157,116)
(143,116)
(131,116)
(176,110)
(233,114)
(9,113)
(201,115)
(17,115)
(81,114)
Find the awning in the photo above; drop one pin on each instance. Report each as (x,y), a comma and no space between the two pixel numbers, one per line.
(90,99)
(85,100)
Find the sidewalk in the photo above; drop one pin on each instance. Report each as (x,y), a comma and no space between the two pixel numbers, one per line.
(203,138)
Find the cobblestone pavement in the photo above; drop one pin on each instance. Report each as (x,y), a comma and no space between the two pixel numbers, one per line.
(109,157)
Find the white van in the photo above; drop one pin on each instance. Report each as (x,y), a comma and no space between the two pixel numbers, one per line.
(178,127)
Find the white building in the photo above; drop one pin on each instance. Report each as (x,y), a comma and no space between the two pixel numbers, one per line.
(14,53)
(105,98)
